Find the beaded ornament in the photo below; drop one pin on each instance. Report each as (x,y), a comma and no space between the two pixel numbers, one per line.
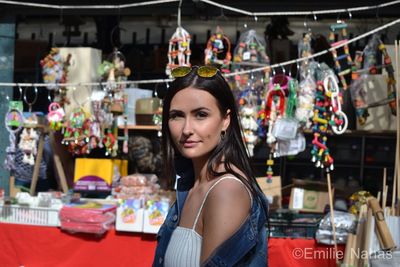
(340,25)
(218,51)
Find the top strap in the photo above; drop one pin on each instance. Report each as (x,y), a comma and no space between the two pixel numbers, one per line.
(209,190)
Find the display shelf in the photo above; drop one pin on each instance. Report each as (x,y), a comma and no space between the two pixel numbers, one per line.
(142,127)
(358,155)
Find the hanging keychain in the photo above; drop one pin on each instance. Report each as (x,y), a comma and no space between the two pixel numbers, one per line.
(13,122)
(29,136)
(55,116)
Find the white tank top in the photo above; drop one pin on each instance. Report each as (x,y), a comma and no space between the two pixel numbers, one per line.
(184,248)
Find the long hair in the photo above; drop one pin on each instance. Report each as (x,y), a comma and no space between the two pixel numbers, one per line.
(231,150)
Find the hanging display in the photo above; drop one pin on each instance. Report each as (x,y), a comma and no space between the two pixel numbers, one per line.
(367,64)
(341,26)
(218,51)
(178,50)
(13,122)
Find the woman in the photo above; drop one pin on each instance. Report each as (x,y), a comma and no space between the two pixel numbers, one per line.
(220,213)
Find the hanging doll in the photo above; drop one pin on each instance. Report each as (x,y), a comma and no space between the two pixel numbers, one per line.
(28,144)
(250,126)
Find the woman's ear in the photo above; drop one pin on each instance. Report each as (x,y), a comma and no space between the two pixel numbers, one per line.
(227,120)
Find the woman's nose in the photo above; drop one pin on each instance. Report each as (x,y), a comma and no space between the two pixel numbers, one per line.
(187,128)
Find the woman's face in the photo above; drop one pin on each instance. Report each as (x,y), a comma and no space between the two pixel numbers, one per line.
(195,122)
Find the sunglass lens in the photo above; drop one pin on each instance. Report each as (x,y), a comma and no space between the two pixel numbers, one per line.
(179,72)
(207,71)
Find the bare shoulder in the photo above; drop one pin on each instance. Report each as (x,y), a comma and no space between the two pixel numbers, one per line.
(226,209)
(228,189)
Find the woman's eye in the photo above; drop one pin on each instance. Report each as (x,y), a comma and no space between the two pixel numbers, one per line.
(174,116)
(201,115)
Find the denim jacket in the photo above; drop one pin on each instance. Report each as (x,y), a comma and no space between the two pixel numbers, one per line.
(247,247)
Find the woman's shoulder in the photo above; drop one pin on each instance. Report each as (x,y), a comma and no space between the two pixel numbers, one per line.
(229,190)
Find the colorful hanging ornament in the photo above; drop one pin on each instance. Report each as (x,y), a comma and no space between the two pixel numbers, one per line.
(250,53)
(391,81)
(218,51)
(114,70)
(28,145)
(320,152)
(53,69)
(55,116)
(269,173)
(54,72)
(249,126)
(13,122)
(340,26)
(178,50)
(304,50)
(368,59)
(274,109)
(109,143)
(77,132)
(338,119)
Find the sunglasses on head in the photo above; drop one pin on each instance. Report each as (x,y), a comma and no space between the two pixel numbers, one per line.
(203,71)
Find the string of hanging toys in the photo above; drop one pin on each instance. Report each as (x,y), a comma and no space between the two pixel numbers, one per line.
(274,108)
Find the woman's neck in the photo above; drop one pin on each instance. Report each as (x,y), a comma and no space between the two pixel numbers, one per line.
(200,170)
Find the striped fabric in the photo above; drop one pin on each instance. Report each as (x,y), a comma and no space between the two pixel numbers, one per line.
(184,248)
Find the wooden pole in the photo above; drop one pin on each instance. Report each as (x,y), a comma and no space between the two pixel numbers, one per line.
(368,233)
(396,167)
(383,230)
(331,207)
(59,168)
(349,249)
(394,186)
(384,189)
(36,169)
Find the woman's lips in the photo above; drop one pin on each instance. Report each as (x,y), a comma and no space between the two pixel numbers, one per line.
(189,144)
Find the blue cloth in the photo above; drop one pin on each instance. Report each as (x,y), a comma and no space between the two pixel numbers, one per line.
(247,247)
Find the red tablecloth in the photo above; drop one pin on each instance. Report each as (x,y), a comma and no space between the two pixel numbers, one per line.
(301,252)
(38,246)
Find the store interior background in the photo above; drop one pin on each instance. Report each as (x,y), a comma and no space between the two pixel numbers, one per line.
(142,34)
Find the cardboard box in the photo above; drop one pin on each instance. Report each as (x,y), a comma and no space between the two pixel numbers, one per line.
(130,215)
(90,176)
(154,215)
(272,190)
(309,196)
(133,95)
(83,68)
